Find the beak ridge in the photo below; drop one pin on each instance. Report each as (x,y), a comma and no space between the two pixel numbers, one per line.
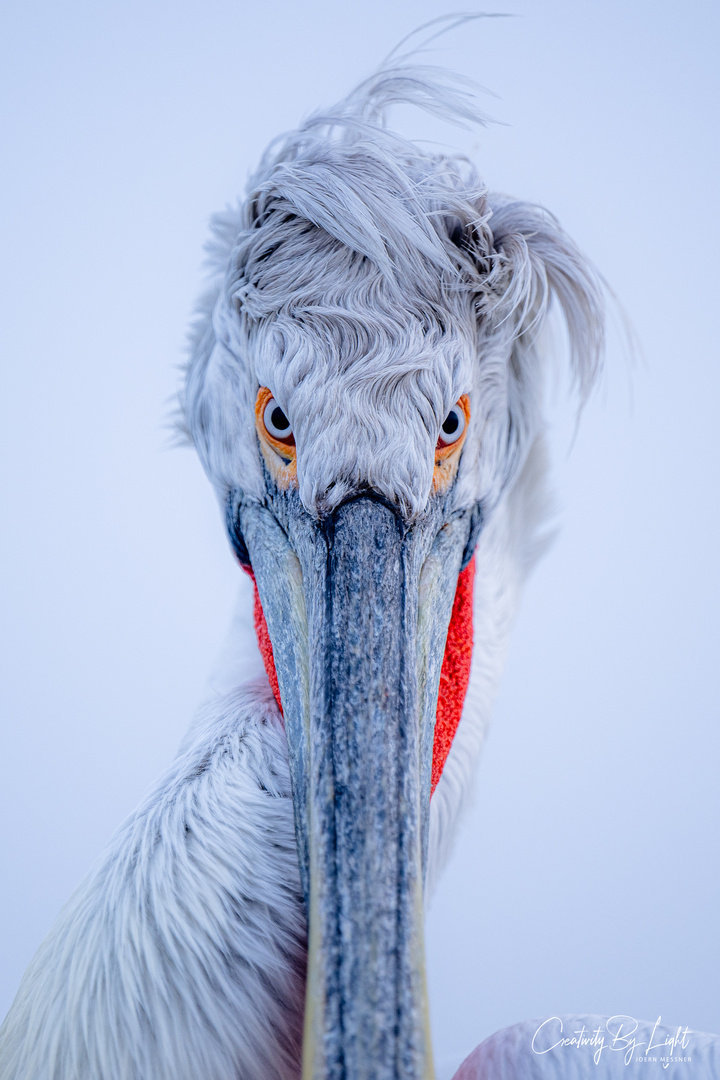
(358,610)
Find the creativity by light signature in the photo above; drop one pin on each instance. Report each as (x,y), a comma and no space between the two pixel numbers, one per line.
(617,1034)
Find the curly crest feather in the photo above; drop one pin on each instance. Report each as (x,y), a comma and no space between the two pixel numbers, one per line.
(369,283)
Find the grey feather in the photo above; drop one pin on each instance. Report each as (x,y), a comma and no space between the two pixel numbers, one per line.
(182,954)
(369,284)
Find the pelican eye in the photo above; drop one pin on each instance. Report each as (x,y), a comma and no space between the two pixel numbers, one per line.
(452,427)
(277,442)
(276,422)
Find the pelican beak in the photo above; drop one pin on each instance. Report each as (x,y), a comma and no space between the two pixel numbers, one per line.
(358,608)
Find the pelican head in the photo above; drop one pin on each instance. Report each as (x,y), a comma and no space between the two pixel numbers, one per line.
(364,388)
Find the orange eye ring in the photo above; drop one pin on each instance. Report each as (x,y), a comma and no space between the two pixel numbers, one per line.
(454,429)
(271,419)
(277,440)
(450,442)
(272,422)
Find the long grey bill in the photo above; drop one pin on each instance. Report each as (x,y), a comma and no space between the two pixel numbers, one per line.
(357,608)
(366,1013)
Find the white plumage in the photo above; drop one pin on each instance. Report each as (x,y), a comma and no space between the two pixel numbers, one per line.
(370,285)
(182,954)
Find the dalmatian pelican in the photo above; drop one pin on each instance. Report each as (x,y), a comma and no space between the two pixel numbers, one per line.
(365,392)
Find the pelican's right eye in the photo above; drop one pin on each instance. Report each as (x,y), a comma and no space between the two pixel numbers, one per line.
(277,441)
(277,423)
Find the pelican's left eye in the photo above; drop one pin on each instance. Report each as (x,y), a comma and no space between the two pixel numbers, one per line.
(452,427)
(276,422)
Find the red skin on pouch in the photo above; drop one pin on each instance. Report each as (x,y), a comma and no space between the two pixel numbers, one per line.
(454,675)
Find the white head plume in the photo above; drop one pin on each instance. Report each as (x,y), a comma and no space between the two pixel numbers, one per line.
(370,284)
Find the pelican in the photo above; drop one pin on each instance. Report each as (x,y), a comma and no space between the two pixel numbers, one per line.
(365,392)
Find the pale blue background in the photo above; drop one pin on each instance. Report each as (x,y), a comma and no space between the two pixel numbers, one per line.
(587,874)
